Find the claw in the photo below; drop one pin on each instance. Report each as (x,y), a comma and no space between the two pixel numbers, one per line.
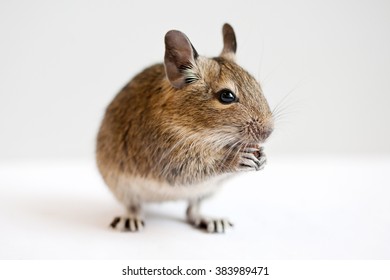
(132,224)
(252,158)
(215,225)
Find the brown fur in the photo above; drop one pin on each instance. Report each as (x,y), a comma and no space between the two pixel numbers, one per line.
(167,125)
(139,124)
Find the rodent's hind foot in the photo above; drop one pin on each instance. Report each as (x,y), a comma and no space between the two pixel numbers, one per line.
(126,223)
(212,225)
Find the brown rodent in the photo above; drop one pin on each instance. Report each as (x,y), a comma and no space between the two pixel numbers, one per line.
(178,129)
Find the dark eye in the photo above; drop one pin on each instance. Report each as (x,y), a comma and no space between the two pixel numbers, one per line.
(226,96)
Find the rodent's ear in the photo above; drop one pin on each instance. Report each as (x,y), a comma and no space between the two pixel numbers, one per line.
(229,42)
(179,59)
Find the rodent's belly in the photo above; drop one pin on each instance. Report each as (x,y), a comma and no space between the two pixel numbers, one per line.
(129,189)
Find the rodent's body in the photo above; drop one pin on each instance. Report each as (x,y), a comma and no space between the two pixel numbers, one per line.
(129,189)
(124,146)
(141,135)
(178,129)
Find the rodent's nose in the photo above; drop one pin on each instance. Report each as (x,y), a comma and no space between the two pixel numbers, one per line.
(265,132)
(260,131)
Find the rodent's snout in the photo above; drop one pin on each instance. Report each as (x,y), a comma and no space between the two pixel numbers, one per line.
(265,133)
(260,131)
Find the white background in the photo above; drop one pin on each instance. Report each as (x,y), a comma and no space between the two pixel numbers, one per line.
(61,62)
(311,208)
(325,191)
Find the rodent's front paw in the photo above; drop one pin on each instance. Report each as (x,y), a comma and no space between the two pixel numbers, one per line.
(251,159)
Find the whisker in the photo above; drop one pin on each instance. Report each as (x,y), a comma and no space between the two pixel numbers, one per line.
(270,73)
(282,102)
(242,147)
(214,141)
(283,110)
(227,155)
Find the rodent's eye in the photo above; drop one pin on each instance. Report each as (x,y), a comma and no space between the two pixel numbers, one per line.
(226,96)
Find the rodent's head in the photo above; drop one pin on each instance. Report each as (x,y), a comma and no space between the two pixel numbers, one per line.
(214,98)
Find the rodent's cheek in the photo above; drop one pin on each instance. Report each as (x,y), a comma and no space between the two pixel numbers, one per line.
(219,106)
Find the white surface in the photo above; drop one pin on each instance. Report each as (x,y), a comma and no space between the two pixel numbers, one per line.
(297,208)
(61,62)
